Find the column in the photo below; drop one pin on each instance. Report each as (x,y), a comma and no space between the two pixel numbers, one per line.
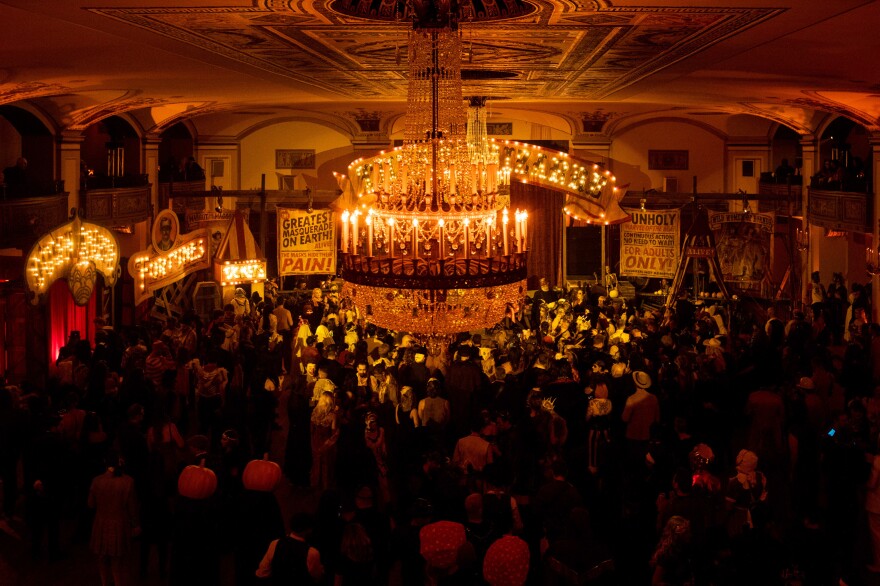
(810,157)
(875,223)
(69,142)
(150,165)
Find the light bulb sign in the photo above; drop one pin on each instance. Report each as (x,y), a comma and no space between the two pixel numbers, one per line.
(76,251)
(306,242)
(171,257)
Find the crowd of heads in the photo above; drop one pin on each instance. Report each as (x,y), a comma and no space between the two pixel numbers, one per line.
(577,404)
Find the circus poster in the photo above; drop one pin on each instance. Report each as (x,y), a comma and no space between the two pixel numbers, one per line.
(744,242)
(650,243)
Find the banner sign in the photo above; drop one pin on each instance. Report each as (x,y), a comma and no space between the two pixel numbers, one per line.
(156,268)
(650,243)
(306,242)
(744,242)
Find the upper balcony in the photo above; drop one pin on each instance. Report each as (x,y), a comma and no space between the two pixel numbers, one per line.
(782,196)
(116,201)
(24,219)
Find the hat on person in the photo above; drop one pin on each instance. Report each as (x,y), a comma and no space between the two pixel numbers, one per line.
(506,562)
(712,342)
(642,379)
(440,543)
(806,383)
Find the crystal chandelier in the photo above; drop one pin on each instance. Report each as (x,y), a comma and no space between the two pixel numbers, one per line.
(433,248)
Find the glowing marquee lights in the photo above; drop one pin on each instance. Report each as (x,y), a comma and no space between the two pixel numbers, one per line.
(247,271)
(153,269)
(68,252)
(172,264)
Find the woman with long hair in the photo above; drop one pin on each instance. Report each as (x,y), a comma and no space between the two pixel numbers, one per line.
(356,562)
(671,560)
(325,432)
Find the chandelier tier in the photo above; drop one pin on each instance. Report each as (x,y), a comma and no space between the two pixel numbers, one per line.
(437,251)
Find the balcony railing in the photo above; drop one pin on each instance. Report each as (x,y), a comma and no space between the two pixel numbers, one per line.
(117,206)
(32,188)
(105,182)
(25,219)
(840,210)
(777,197)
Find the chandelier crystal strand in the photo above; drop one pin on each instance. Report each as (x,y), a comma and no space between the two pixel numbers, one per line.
(438,254)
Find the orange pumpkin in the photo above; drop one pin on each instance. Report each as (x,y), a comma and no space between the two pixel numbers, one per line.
(262,475)
(197,482)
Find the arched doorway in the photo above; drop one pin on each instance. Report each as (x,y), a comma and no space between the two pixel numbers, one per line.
(786,149)
(108,135)
(175,146)
(23,135)
(845,143)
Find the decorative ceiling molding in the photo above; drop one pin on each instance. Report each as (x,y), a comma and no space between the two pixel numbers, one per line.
(188,114)
(28,90)
(82,119)
(564,50)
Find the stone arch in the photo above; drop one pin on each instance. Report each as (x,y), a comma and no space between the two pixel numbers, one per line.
(336,123)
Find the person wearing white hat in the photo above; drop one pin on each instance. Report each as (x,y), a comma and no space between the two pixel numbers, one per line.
(642,410)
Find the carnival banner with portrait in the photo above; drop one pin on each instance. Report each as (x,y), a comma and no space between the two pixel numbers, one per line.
(650,243)
(170,258)
(744,242)
(306,242)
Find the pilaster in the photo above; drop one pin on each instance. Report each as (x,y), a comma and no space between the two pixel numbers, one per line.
(150,165)
(69,156)
(875,223)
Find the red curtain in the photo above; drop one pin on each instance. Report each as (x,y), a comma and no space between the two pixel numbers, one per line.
(545,230)
(65,316)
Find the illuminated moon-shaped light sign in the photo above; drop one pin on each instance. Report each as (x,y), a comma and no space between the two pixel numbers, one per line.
(76,251)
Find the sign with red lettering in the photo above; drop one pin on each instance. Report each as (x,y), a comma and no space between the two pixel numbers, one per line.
(650,243)
(306,242)
(744,242)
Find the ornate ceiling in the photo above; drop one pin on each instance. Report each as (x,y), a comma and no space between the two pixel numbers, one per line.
(788,61)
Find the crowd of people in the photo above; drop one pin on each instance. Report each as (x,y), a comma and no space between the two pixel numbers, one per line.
(853,175)
(582,439)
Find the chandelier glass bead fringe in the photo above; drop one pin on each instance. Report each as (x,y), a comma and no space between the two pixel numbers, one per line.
(437,250)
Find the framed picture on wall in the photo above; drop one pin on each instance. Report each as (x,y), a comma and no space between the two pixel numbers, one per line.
(294,158)
(667,160)
(499,128)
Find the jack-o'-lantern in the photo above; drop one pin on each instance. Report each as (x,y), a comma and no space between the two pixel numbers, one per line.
(261,475)
(197,482)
